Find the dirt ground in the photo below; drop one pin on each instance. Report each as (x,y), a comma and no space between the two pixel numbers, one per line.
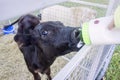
(12,65)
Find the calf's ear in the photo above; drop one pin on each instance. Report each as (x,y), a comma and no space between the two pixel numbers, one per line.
(16,38)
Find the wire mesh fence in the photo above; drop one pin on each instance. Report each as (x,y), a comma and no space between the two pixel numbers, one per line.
(94,64)
(82,70)
(89,62)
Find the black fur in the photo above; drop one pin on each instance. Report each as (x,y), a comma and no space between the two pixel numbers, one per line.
(41,43)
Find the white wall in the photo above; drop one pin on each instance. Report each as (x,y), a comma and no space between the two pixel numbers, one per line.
(13,8)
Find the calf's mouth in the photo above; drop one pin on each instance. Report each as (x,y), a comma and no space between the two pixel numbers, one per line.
(76,37)
(71,45)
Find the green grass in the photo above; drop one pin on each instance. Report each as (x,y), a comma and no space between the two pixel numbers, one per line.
(98,1)
(113,72)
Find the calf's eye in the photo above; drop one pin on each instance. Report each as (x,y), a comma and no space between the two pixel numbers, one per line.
(44,32)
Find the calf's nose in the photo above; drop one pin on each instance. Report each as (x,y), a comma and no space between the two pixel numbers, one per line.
(76,35)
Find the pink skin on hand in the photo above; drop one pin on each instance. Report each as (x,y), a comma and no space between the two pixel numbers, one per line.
(111,25)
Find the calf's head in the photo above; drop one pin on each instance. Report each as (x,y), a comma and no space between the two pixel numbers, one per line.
(41,43)
(53,38)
